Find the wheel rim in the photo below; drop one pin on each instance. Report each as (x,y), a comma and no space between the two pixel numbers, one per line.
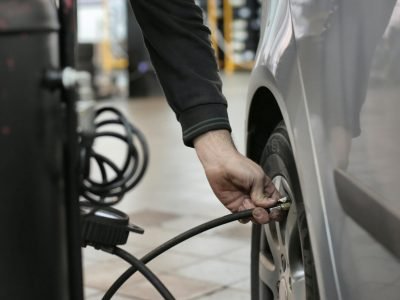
(281,266)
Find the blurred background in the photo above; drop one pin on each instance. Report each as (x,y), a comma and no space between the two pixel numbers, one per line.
(174,194)
(111,45)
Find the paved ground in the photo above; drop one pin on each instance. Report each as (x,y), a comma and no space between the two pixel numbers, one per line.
(173,197)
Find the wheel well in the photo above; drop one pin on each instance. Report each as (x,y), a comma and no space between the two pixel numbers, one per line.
(264,115)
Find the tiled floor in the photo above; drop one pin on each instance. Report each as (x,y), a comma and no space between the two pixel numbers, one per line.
(174,196)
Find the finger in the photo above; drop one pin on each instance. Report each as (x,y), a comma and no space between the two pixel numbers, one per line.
(244,221)
(242,208)
(248,204)
(266,202)
(270,190)
(257,189)
(269,196)
(269,187)
(276,215)
(260,215)
(275,195)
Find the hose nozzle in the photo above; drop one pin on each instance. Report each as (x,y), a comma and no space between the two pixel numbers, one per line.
(282,205)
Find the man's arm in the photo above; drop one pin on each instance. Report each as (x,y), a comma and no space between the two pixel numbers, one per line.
(181,52)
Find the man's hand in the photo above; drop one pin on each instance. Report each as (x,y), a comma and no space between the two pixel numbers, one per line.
(238,182)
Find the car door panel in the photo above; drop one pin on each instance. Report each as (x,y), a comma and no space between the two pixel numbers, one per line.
(355,127)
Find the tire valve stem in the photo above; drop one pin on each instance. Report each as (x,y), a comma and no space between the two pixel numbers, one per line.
(283,205)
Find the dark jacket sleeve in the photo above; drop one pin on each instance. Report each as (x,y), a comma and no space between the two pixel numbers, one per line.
(180,49)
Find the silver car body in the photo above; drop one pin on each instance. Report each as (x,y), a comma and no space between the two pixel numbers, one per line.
(332,69)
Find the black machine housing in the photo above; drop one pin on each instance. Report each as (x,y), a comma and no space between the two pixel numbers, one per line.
(39,260)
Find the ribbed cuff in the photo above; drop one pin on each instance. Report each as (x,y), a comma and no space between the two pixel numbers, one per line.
(201,119)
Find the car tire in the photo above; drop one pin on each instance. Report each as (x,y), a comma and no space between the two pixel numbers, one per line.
(282,265)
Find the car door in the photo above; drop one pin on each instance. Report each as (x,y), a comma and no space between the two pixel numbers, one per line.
(350,65)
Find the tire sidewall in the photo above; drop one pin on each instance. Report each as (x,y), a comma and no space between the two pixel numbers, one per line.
(277,159)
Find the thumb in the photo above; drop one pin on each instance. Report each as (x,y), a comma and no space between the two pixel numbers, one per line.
(257,193)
